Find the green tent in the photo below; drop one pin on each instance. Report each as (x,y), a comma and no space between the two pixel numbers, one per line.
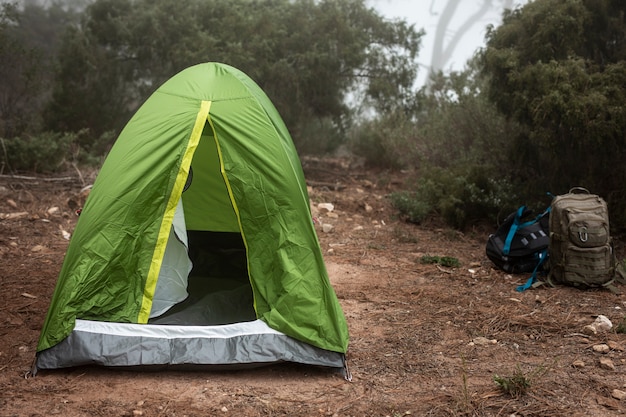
(196,244)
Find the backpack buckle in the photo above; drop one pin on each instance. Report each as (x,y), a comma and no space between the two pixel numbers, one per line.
(583,235)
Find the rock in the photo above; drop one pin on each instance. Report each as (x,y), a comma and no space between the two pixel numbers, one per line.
(578,364)
(482,341)
(327,228)
(601,324)
(601,348)
(606,363)
(618,394)
(13,216)
(325,207)
(590,330)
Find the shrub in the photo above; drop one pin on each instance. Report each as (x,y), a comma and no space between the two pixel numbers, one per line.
(459,198)
(411,206)
(51,152)
(44,153)
(387,142)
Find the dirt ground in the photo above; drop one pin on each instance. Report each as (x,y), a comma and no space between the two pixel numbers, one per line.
(426,339)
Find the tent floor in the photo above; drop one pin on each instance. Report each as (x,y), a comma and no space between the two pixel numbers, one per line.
(211,302)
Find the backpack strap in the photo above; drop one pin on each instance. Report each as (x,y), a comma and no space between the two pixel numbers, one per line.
(619,277)
(532,281)
(517,224)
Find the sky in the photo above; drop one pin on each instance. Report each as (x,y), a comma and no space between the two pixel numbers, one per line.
(425,15)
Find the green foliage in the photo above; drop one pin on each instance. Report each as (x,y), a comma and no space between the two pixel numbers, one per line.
(51,152)
(388,141)
(520,382)
(21,76)
(516,385)
(458,146)
(447,261)
(29,39)
(411,206)
(557,68)
(45,153)
(465,197)
(307,56)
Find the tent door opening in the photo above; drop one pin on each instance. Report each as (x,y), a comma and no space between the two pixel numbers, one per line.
(218,286)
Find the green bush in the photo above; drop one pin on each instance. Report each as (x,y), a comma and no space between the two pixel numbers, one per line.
(459,198)
(44,153)
(411,206)
(387,142)
(51,152)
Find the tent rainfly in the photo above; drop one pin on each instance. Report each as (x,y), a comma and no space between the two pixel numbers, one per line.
(196,246)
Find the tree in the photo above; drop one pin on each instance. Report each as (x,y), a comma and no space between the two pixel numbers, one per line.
(442,50)
(29,37)
(307,55)
(558,67)
(20,76)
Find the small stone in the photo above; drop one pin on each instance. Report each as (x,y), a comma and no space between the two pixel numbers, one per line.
(618,394)
(606,363)
(590,330)
(601,348)
(327,228)
(482,341)
(137,413)
(603,324)
(325,207)
(224,409)
(13,216)
(578,364)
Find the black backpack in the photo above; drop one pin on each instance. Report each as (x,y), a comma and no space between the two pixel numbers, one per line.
(519,245)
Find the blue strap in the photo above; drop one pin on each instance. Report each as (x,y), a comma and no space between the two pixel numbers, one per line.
(516,226)
(509,238)
(542,257)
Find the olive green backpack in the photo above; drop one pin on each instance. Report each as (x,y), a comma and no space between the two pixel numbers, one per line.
(580,250)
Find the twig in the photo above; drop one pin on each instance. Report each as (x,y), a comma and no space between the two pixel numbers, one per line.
(80,175)
(576,334)
(443,270)
(23,177)
(6,156)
